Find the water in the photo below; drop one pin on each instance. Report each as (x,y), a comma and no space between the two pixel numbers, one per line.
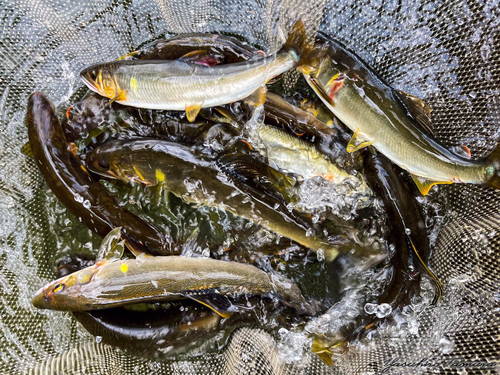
(342,291)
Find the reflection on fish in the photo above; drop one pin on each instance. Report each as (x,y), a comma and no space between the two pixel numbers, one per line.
(183,85)
(72,184)
(179,170)
(110,284)
(394,122)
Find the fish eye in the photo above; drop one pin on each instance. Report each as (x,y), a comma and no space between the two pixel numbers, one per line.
(58,288)
(93,75)
(104,166)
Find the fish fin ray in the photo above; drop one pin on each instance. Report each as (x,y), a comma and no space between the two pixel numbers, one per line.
(357,142)
(424,184)
(418,109)
(111,247)
(192,111)
(258,97)
(122,95)
(214,301)
(126,57)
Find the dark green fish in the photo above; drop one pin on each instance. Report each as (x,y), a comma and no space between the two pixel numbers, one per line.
(72,184)
(179,170)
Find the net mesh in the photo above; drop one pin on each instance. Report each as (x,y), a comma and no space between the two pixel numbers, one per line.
(445,52)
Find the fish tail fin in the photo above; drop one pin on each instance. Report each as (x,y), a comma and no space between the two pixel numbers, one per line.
(296,44)
(493,168)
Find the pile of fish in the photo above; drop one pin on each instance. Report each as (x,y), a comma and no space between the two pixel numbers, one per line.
(191,116)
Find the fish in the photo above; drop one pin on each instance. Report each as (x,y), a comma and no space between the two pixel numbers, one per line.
(397,124)
(73,185)
(182,85)
(407,232)
(109,284)
(196,180)
(296,155)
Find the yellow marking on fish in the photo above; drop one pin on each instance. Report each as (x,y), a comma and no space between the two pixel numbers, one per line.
(139,174)
(99,80)
(58,288)
(160,176)
(133,83)
(124,268)
(333,79)
(84,169)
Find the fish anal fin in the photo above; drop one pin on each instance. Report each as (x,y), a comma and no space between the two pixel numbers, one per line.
(357,142)
(258,97)
(214,301)
(417,109)
(192,111)
(424,185)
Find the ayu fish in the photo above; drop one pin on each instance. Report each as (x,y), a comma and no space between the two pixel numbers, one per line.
(394,122)
(185,85)
(180,171)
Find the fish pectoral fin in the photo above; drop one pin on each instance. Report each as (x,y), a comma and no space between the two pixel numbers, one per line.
(424,184)
(258,97)
(357,142)
(214,301)
(227,114)
(122,95)
(111,246)
(192,111)
(418,109)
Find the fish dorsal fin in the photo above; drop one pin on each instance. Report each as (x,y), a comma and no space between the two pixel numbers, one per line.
(112,246)
(192,111)
(214,301)
(424,185)
(418,109)
(246,167)
(200,57)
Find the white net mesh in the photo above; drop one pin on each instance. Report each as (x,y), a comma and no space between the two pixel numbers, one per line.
(444,52)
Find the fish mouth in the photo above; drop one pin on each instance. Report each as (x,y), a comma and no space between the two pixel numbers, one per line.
(87,82)
(40,300)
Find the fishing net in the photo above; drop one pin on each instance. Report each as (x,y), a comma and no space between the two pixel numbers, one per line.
(445,52)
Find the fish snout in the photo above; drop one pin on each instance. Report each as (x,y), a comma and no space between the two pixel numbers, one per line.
(42,299)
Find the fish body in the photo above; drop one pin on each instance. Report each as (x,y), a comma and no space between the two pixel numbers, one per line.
(374,112)
(152,279)
(73,185)
(295,155)
(179,170)
(184,85)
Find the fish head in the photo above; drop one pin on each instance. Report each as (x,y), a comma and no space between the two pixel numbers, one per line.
(112,160)
(65,293)
(100,79)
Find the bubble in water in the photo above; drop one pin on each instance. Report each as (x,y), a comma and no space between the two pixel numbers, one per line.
(155,283)
(78,198)
(446,346)
(408,231)
(371,308)
(98,339)
(383,310)
(309,232)
(205,253)
(320,254)
(86,204)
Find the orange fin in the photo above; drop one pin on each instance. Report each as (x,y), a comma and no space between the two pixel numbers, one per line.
(424,185)
(192,111)
(357,142)
(121,96)
(462,151)
(258,97)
